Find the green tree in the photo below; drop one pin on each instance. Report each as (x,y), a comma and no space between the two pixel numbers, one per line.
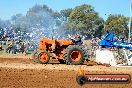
(84,19)
(65,14)
(118,23)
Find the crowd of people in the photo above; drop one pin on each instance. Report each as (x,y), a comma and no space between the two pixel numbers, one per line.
(15,42)
(12,41)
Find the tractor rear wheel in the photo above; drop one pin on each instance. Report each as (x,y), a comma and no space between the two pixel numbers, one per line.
(75,54)
(43,57)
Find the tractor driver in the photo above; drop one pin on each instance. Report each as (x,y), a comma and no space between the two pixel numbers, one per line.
(78,39)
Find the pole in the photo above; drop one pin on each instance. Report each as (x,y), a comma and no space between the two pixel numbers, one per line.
(130,22)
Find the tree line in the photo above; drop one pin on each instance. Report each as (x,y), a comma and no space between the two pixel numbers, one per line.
(83,19)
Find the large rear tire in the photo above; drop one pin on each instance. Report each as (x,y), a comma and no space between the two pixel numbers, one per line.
(75,54)
(43,57)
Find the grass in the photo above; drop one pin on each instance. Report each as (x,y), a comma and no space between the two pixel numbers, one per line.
(4,54)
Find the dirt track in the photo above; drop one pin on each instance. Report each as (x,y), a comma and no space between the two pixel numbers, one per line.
(23,72)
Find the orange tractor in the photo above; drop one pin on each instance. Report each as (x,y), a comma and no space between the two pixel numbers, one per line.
(65,51)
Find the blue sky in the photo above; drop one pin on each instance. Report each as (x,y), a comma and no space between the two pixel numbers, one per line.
(9,8)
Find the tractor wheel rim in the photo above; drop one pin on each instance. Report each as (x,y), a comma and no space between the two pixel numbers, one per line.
(75,56)
(43,57)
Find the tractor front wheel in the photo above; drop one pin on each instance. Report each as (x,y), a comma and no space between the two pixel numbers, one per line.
(35,56)
(43,57)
